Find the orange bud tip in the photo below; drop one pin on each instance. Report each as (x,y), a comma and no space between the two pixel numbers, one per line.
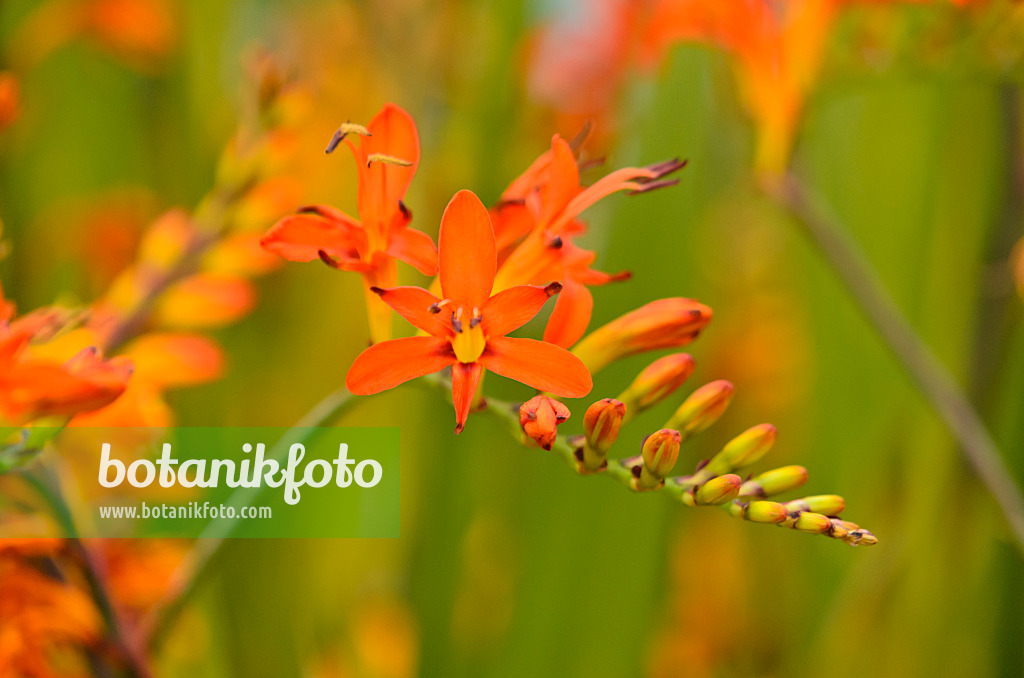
(553,288)
(620,276)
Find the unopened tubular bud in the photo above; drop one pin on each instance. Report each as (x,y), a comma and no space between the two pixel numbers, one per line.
(702,408)
(660,451)
(720,490)
(656,382)
(774,482)
(540,417)
(771,512)
(601,429)
(745,449)
(812,523)
(665,323)
(827,504)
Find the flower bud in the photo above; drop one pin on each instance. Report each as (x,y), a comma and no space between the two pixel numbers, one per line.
(665,323)
(745,449)
(720,490)
(860,537)
(702,408)
(601,428)
(812,523)
(660,451)
(771,512)
(601,423)
(774,482)
(827,504)
(540,417)
(656,382)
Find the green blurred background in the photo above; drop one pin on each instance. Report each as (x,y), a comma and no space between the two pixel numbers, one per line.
(508,564)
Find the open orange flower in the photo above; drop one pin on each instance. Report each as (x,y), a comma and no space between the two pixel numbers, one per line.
(540,211)
(467,328)
(387,156)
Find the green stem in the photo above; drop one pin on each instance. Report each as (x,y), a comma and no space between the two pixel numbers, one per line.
(932,379)
(213,536)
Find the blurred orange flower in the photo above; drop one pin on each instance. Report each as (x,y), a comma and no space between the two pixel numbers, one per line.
(10,99)
(386,157)
(39,616)
(538,216)
(34,386)
(467,329)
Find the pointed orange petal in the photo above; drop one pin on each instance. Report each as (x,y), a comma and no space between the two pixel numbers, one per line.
(414,248)
(511,309)
(571,315)
(467,252)
(465,379)
(544,366)
(205,300)
(172,359)
(394,134)
(413,304)
(300,237)
(390,363)
(563,180)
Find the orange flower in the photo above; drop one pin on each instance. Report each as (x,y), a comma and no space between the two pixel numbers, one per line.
(10,99)
(40,618)
(467,329)
(32,387)
(386,157)
(541,209)
(162,361)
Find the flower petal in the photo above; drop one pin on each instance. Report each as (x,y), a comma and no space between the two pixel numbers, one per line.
(511,309)
(413,304)
(571,315)
(393,134)
(544,366)
(390,363)
(300,237)
(467,252)
(465,380)
(414,248)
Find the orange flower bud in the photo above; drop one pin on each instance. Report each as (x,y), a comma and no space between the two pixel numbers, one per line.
(660,451)
(720,490)
(702,408)
(774,482)
(666,323)
(540,417)
(656,382)
(771,512)
(744,449)
(601,424)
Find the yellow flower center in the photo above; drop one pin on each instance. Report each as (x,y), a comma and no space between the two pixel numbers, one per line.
(469,341)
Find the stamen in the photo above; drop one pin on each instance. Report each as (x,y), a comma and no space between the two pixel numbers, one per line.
(387,160)
(404,210)
(327,259)
(343,131)
(553,288)
(555,243)
(477,318)
(456,324)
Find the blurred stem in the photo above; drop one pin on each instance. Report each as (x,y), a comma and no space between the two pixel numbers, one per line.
(212,538)
(914,355)
(125,647)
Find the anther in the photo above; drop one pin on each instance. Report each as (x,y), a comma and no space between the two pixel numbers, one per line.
(555,243)
(456,324)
